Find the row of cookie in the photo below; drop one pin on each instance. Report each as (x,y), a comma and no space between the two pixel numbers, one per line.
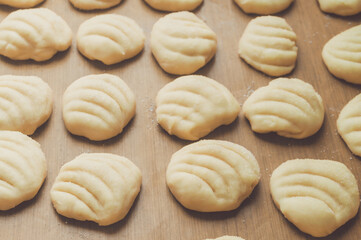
(318,196)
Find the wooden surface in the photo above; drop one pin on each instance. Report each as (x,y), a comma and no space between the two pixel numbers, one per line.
(156,215)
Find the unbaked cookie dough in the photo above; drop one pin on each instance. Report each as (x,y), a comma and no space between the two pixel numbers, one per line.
(22,171)
(192,106)
(182,43)
(174,5)
(110,38)
(21,3)
(98,187)
(98,107)
(26,102)
(349,125)
(288,106)
(341,7)
(36,34)
(342,55)
(94,4)
(317,196)
(212,175)
(269,45)
(263,7)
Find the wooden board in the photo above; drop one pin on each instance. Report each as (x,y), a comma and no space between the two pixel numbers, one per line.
(156,215)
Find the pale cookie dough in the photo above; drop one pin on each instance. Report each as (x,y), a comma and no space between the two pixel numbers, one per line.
(98,187)
(227,238)
(341,7)
(269,45)
(21,3)
(288,106)
(94,4)
(174,5)
(36,34)
(212,175)
(26,102)
(110,38)
(263,7)
(317,196)
(182,43)
(192,106)
(349,125)
(342,55)
(98,107)
(22,168)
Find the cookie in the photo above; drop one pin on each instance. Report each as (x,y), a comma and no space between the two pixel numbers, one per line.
(22,168)
(349,125)
(98,187)
(263,7)
(317,196)
(110,38)
(98,107)
(343,8)
(182,43)
(26,102)
(212,175)
(288,106)
(36,34)
(227,238)
(342,55)
(192,106)
(94,4)
(174,5)
(21,3)
(268,44)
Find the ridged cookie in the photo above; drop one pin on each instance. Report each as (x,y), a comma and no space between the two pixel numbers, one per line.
(212,175)
(263,7)
(174,5)
(21,3)
(342,55)
(349,125)
(317,196)
(26,102)
(98,107)
(227,238)
(22,168)
(343,8)
(110,38)
(36,34)
(288,106)
(94,4)
(269,45)
(192,106)
(182,43)
(98,187)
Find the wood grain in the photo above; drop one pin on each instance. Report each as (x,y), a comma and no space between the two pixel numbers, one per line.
(156,214)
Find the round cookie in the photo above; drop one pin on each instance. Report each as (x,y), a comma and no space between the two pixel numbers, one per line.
(263,7)
(21,3)
(22,168)
(268,44)
(36,34)
(288,106)
(94,4)
(227,238)
(26,102)
(192,106)
(342,8)
(342,56)
(174,5)
(98,187)
(212,175)
(349,124)
(110,38)
(317,196)
(98,107)
(182,43)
